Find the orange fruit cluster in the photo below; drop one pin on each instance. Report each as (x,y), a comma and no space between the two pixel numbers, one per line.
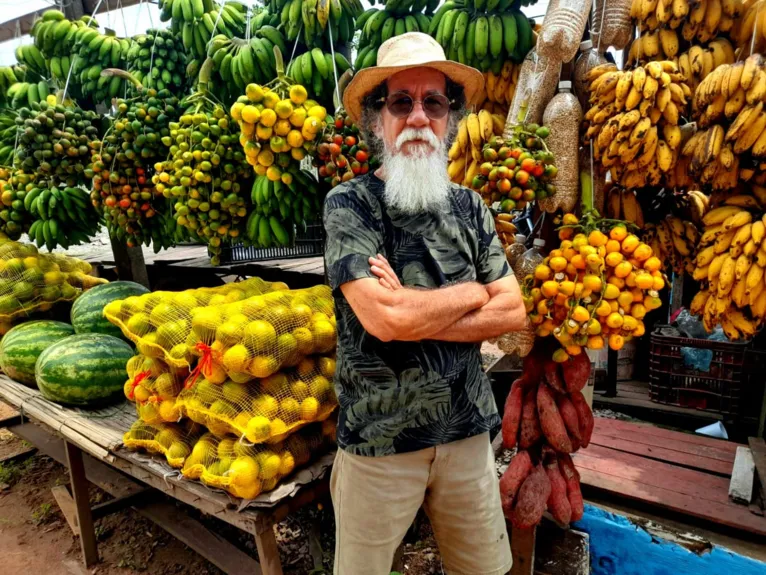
(595,288)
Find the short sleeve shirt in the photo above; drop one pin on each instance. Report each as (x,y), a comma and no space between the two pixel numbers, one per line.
(402,396)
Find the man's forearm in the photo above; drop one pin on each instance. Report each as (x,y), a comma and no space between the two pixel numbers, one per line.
(497,317)
(416,314)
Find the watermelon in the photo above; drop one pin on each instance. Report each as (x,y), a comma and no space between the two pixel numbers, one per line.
(86,370)
(22,345)
(88,309)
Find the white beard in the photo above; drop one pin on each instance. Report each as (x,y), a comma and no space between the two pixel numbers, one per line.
(416,182)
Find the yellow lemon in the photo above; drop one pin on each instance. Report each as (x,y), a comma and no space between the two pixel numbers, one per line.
(258,429)
(318,112)
(269,464)
(298,117)
(320,388)
(305,340)
(299,390)
(260,336)
(266,158)
(326,366)
(298,153)
(287,463)
(274,384)
(278,429)
(294,138)
(266,405)
(309,409)
(273,173)
(236,359)
(263,366)
(289,410)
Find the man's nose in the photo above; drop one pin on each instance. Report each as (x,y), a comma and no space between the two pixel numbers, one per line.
(417,117)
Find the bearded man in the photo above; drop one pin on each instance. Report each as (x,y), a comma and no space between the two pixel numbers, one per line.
(420,280)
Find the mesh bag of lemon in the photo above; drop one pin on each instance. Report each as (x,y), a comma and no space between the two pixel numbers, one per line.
(595,288)
(267,410)
(154,385)
(173,440)
(158,322)
(31,281)
(246,470)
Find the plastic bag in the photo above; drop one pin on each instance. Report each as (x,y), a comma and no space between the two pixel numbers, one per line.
(537,84)
(153,386)
(563,115)
(267,410)
(562,30)
(245,470)
(611,24)
(32,281)
(174,441)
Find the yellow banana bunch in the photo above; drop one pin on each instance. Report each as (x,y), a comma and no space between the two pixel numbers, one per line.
(751,21)
(622,205)
(633,120)
(654,45)
(698,205)
(506,230)
(500,88)
(673,240)
(698,62)
(731,265)
(700,19)
(465,154)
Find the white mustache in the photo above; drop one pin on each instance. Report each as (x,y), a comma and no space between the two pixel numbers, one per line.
(411,134)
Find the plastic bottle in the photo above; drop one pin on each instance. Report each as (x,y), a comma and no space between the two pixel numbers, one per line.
(588,59)
(537,85)
(529,260)
(562,30)
(563,115)
(516,249)
(612,25)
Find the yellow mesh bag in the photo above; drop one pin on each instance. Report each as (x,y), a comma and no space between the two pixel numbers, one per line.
(245,470)
(31,281)
(172,440)
(266,410)
(159,322)
(153,386)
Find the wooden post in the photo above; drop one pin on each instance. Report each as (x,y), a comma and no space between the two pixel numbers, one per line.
(130,262)
(677,293)
(268,551)
(523,550)
(611,373)
(80,494)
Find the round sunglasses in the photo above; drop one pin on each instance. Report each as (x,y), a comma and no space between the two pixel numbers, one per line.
(400,105)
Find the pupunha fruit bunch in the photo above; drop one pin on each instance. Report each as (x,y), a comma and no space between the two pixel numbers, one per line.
(633,121)
(313,21)
(158,61)
(517,170)
(596,287)
(14,216)
(377,26)
(342,154)
(730,264)
(467,151)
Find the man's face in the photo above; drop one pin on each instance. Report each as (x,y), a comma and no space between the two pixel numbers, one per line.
(416,83)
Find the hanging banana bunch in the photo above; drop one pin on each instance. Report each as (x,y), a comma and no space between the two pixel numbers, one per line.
(500,88)
(673,240)
(633,120)
(314,21)
(700,20)
(466,152)
(377,26)
(750,23)
(318,70)
(697,62)
(623,205)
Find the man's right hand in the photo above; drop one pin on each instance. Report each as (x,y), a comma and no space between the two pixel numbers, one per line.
(386,275)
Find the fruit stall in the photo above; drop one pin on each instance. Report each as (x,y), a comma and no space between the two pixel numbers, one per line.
(620,144)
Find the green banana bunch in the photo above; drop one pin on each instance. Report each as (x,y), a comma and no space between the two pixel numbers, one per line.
(8,131)
(10,75)
(402,7)
(318,20)
(56,142)
(279,207)
(23,94)
(377,26)
(481,40)
(64,216)
(157,60)
(317,71)
(30,55)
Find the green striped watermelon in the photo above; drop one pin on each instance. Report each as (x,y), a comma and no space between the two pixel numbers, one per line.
(86,370)
(88,309)
(23,344)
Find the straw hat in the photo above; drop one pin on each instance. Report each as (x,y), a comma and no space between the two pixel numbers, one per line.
(411,50)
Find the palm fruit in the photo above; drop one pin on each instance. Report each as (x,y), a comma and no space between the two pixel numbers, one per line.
(342,155)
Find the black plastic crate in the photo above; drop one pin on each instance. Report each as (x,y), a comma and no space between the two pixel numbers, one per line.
(308,243)
(722,389)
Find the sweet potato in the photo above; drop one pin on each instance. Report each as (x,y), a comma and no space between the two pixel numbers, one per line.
(558,501)
(520,467)
(532,499)
(584,415)
(576,372)
(553,376)
(531,432)
(533,365)
(512,415)
(551,422)
(572,478)
(569,415)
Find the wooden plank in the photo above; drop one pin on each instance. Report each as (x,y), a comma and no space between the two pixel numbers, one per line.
(647,404)
(646,429)
(66,504)
(135,498)
(703,486)
(662,453)
(522,549)
(268,552)
(758,447)
(729,514)
(742,477)
(82,504)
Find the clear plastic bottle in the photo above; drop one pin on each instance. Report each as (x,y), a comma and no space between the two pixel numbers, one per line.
(562,29)
(612,25)
(588,59)
(516,249)
(563,115)
(529,260)
(537,85)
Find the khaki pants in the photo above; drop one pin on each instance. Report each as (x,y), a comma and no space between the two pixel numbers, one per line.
(376,500)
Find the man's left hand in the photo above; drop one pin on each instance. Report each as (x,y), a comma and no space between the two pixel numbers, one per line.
(380,267)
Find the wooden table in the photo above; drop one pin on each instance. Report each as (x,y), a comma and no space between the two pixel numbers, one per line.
(89,444)
(678,473)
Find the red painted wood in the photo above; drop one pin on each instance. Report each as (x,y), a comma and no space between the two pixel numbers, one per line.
(664,453)
(731,515)
(704,486)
